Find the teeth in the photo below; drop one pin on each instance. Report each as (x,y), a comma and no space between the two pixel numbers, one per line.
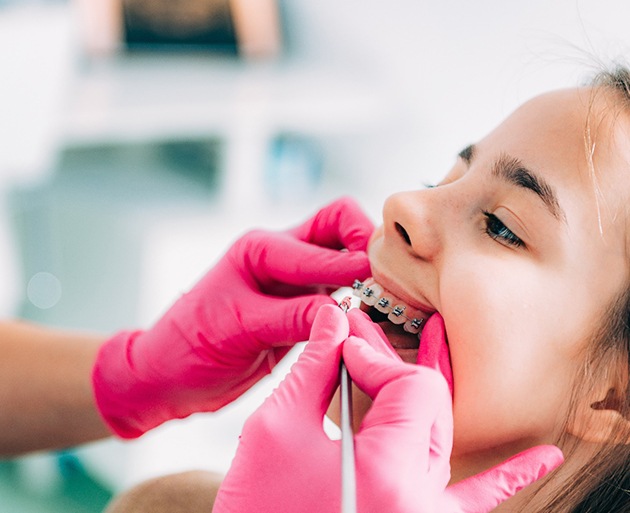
(357,288)
(396,315)
(372,294)
(368,296)
(384,305)
(414,325)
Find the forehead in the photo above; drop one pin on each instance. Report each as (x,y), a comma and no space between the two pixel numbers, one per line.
(579,139)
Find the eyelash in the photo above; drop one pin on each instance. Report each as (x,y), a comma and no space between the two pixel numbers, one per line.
(495,228)
(499,232)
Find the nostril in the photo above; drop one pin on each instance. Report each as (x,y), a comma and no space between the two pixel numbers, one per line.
(403,233)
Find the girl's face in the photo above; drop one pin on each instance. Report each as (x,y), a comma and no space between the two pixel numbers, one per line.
(520,248)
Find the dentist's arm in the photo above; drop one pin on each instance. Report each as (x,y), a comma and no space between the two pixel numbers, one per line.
(59,388)
(46,398)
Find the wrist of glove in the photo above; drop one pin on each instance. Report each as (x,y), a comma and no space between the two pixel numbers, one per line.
(236,323)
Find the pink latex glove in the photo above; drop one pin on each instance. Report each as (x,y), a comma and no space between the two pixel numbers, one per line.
(286,463)
(231,329)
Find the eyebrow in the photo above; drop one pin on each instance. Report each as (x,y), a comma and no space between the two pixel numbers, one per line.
(513,171)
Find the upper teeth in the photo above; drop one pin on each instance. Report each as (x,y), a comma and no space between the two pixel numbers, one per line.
(373,294)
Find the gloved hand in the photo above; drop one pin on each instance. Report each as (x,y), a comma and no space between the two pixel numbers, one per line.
(230,330)
(286,463)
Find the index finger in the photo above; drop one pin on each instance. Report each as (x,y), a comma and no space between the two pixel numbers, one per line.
(282,258)
(342,224)
(411,410)
(363,327)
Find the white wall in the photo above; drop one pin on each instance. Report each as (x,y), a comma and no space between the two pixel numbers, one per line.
(454,68)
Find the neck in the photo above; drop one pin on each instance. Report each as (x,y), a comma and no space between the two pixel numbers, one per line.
(532,497)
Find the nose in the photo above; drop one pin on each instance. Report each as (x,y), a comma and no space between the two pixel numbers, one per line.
(414,219)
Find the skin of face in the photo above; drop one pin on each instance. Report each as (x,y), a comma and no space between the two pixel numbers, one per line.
(517,315)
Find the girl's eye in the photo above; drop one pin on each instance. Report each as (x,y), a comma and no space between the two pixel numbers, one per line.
(499,232)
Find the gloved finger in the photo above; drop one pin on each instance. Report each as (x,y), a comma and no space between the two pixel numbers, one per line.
(363,327)
(411,408)
(441,445)
(438,436)
(487,490)
(392,381)
(433,352)
(371,368)
(286,433)
(285,321)
(342,224)
(282,258)
(277,354)
(260,368)
(309,387)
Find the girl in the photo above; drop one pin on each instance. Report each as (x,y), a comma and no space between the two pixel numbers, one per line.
(523,249)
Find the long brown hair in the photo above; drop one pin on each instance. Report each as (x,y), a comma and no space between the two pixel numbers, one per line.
(602,484)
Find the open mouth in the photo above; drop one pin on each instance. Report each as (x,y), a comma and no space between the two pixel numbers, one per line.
(401,323)
(397,336)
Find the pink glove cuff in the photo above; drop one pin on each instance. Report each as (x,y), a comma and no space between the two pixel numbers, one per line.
(113,389)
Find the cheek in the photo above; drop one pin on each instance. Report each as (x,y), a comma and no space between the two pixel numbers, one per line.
(510,372)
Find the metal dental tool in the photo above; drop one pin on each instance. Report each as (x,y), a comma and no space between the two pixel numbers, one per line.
(348,471)
(348,475)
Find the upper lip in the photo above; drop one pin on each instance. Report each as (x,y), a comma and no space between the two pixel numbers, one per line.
(398,291)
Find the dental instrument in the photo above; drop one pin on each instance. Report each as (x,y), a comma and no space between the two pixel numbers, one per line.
(348,471)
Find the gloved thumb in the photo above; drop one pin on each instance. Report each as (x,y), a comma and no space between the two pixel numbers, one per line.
(400,391)
(309,387)
(341,224)
(372,366)
(434,352)
(411,409)
(487,490)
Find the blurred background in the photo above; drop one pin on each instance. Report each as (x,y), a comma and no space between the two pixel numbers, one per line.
(138,139)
